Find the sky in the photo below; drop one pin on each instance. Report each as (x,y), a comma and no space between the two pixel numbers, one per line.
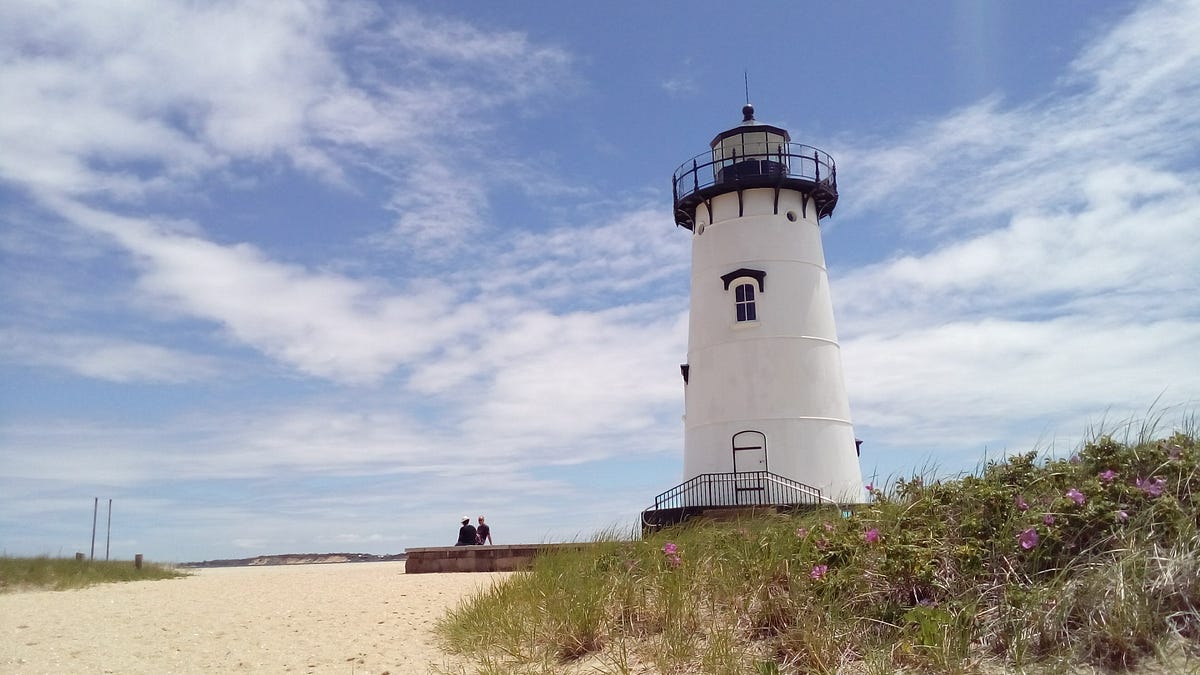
(326,276)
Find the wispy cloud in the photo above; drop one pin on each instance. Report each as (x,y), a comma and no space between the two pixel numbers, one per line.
(447,352)
(110,108)
(149,97)
(1054,260)
(106,358)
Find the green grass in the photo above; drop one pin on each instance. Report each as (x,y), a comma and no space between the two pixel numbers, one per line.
(58,574)
(1028,565)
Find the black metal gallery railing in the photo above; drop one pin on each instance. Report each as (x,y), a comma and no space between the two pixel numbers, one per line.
(791,165)
(747,488)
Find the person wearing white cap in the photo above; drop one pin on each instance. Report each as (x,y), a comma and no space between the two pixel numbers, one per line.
(466,533)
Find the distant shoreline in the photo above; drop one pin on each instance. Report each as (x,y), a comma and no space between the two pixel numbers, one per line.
(296,559)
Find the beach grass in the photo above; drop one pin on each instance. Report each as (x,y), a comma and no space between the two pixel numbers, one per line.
(1029,564)
(58,574)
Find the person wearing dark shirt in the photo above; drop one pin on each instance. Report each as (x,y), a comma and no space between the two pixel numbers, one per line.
(466,533)
(483,533)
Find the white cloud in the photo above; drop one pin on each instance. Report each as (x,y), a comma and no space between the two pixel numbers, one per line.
(1049,268)
(1055,262)
(152,98)
(970,383)
(1128,104)
(324,325)
(106,358)
(148,97)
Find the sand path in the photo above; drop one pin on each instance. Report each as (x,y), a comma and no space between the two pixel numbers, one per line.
(352,618)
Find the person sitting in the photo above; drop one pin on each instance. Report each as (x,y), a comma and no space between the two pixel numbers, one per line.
(483,533)
(466,533)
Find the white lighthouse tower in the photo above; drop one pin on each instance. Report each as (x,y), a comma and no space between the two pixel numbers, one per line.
(767,420)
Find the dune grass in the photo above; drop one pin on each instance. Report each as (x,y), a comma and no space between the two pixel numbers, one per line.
(59,574)
(1028,565)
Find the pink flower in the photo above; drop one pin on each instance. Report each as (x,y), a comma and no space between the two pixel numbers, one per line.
(871,536)
(1122,516)
(801,532)
(674,560)
(1153,487)
(1076,496)
(670,548)
(1075,459)
(1048,519)
(829,527)
(1022,505)
(822,543)
(870,487)
(818,571)
(1108,476)
(1028,539)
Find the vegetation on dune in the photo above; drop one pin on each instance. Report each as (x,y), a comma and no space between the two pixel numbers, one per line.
(59,574)
(1029,564)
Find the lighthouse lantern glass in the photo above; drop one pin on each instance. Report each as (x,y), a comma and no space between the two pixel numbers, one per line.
(749,151)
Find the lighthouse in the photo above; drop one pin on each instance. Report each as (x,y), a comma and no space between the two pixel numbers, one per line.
(766,416)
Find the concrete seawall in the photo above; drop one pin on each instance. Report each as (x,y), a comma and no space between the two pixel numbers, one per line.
(503,558)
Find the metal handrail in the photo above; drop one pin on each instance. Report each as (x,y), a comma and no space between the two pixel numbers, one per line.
(790,160)
(769,489)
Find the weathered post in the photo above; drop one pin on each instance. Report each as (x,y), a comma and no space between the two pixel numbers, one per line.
(137,561)
(95,510)
(108,535)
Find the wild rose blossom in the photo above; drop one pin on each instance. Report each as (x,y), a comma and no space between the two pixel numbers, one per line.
(1048,519)
(1028,539)
(870,487)
(674,560)
(818,571)
(1153,487)
(801,532)
(670,548)
(871,536)
(1022,505)
(1107,476)
(1076,496)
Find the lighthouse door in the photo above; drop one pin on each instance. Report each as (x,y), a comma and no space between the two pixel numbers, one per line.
(749,457)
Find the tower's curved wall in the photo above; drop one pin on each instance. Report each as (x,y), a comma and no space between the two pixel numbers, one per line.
(780,374)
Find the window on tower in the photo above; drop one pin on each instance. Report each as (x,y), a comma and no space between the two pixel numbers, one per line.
(744,282)
(744,296)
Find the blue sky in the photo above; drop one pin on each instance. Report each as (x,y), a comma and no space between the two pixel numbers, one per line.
(320,277)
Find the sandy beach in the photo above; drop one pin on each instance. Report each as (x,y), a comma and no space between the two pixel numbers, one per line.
(335,618)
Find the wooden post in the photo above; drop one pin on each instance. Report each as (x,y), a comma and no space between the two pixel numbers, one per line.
(95,510)
(137,561)
(108,535)
(79,557)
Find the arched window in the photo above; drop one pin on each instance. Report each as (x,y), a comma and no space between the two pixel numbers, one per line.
(744,296)
(743,281)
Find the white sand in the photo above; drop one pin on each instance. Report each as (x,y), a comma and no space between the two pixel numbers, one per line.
(339,618)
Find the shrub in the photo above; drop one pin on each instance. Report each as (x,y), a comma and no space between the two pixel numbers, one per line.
(1092,560)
